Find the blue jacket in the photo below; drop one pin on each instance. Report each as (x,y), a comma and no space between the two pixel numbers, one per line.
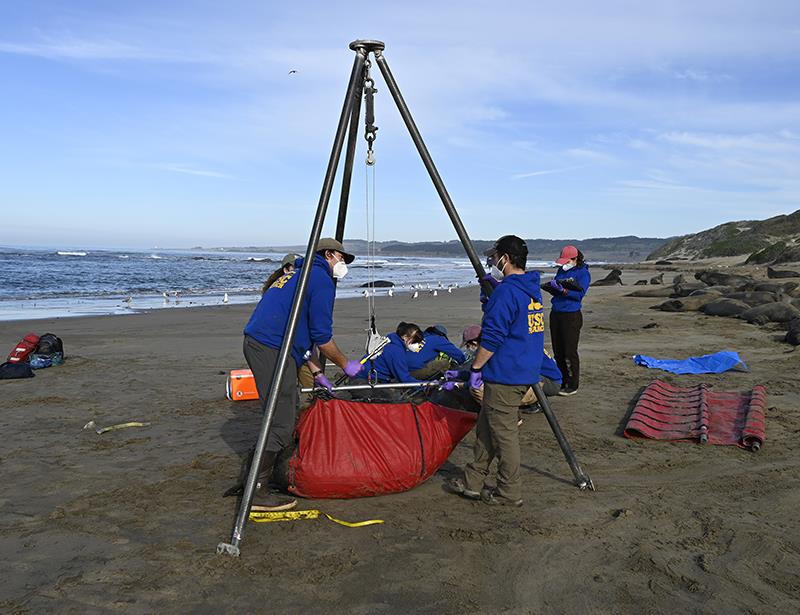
(432,346)
(571,302)
(391,365)
(315,325)
(513,329)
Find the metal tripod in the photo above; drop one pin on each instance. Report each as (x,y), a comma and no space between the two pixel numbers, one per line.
(360,80)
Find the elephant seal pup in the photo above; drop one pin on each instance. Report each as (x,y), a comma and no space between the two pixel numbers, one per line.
(657,279)
(679,279)
(774,274)
(724,307)
(770,312)
(614,277)
(793,335)
(640,283)
(754,298)
(685,304)
(714,278)
(661,291)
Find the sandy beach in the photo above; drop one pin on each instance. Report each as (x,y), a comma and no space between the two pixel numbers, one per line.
(128,521)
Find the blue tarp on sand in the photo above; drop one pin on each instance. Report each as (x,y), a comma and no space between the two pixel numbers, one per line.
(708,364)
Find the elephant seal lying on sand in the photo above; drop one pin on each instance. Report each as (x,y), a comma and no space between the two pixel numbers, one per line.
(773,274)
(684,289)
(657,279)
(770,312)
(793,335)
(640,283)
(679,279)
(775,287)
(614,277)
(685,304)
(661,291)
(754,298)
(724,307)
(714,278)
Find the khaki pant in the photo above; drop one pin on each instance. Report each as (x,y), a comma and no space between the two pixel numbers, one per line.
(432,368)
(497,436)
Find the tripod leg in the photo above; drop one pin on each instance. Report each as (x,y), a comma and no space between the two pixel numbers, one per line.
(582,479)
(284,357)
(347,176)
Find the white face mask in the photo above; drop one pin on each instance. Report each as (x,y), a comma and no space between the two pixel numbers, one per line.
(567,267)
(497,273)
(339,270)
(416,347)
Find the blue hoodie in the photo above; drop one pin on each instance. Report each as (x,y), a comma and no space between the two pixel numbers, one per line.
(513,329)
(571,301)
(432,346)
(315,325)
(391,365)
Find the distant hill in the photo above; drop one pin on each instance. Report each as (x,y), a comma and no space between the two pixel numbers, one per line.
(626,249)
(762,241)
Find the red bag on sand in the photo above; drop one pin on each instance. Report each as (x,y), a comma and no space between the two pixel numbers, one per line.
(349,449)
(24,349)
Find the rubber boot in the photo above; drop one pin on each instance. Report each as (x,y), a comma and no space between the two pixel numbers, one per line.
(264,498)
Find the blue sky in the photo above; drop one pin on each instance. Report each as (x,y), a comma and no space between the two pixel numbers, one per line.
(177,123)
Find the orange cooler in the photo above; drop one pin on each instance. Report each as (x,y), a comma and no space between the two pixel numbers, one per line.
(241,385)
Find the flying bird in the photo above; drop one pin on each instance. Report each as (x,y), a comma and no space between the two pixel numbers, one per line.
(292,72)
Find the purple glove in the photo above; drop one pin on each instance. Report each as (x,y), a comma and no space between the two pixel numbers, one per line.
(488,278)
(322,381)
(557,287)
(352,368)
(451,374)
(449,386)
(475,380)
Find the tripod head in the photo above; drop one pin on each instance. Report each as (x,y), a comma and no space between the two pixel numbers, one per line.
(367,45)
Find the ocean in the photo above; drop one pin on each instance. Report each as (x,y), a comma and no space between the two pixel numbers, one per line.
(59,282)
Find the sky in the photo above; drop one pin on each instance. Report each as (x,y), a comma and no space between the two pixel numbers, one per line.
(178,124)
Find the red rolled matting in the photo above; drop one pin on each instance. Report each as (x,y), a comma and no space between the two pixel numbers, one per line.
(352,449)
(667,412)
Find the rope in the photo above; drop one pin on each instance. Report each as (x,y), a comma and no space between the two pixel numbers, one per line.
(371,251)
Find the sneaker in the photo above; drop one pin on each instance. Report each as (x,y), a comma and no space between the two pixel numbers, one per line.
(532,409)
(457,486)
(492,498)
(268,500)
(568,391)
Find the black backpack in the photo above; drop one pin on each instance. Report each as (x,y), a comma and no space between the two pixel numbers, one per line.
(49,345)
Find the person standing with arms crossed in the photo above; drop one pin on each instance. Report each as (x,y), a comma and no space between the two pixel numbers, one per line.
(506,364)
(263,337)
(568,288)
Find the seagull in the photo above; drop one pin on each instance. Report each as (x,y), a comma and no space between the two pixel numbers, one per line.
(391,292)
(166,296)
(415,295)
(225,298)
(128,300)
(293,71)
(366,293)
(440,285)
(435,292)
(449,290)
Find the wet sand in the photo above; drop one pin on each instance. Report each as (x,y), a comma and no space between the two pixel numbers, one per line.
(128,521)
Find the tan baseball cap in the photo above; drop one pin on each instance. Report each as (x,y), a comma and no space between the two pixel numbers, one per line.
(329,243)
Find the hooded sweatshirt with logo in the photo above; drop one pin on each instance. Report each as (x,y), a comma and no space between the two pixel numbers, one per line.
(432,346)
(513,329)
(315,325)
(391,365)
(571,301)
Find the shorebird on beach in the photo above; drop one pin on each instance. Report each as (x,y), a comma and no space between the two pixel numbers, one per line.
(128,300)
(435,292)
(415,295)
(391,292)
(450,290)
(225,298)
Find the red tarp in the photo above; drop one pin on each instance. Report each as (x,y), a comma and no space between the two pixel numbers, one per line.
(667,412)
(350,449)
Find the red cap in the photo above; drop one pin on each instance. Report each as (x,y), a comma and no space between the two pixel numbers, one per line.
(471,333)
(567,254)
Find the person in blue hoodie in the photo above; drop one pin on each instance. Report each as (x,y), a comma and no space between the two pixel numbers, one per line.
(434,354)
(391,365)
(568,288)
(263,337)
(507,364)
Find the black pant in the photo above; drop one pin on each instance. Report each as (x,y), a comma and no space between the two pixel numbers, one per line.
(263,361)
(565,331)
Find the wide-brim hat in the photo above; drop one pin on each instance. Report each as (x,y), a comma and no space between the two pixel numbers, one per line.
(329,243)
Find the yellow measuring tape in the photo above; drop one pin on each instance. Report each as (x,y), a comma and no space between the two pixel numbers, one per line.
(294,515)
